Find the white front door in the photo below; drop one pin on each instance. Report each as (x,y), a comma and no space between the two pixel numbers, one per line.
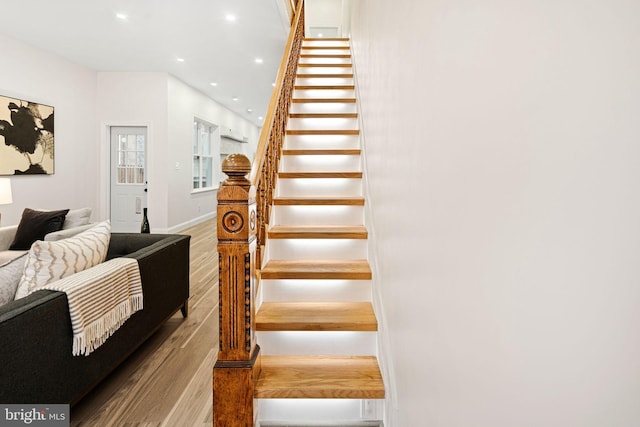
(128,178)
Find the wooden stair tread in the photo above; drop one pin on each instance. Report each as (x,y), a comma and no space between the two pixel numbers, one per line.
(318,232)
(316,316)
(327,55)
(324,87)
(294,175)
(317,269)
(312,152)
(346,377)
(319,201)
(325,76)
(325,39)
(323,65)
(323,115)
(323,100)
(326,47)
(323,132)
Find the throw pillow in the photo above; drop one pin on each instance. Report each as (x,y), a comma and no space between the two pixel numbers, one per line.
(77,217)
(65,234)
(10,274)
(34,225)
(49,261)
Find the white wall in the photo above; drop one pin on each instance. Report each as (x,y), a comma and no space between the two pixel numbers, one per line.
(323,13)
(33,75)
(185,103)
(502,149)
(86,104)
(137,99)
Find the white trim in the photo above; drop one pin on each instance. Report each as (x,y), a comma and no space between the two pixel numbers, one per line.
(187,224)
(104,192)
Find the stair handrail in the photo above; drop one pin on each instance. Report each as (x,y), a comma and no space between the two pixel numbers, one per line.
(242,216)
(269,150)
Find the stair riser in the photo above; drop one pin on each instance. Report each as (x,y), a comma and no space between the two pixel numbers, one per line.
(323,81)
(302,412)
(319,187)
(327,142)
(314,215)
(324,163)
(299,249)
(316,290)
(322,43)
(322,124)
(311,343)
(328,60)
(346,69)
(323,93)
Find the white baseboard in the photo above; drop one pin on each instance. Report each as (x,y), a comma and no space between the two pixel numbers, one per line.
(187,224)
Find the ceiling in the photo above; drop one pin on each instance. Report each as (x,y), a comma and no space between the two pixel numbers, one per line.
(152,35)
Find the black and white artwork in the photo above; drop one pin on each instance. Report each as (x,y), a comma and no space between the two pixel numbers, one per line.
(26,137)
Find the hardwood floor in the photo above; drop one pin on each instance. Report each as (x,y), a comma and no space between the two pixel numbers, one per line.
(167,382)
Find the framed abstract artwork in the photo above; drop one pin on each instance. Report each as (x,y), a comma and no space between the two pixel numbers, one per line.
(26,137)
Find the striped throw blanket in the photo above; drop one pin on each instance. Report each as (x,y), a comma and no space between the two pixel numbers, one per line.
(101,299)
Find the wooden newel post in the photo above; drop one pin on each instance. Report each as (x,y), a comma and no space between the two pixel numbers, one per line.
(238,364)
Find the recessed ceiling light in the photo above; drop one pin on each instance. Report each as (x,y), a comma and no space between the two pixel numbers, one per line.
(230,17)
(213,84)
(260,118)
(234,98)
(320,35)
(121,16)
(180,59)
(249,110)
(259,61)
(273,84)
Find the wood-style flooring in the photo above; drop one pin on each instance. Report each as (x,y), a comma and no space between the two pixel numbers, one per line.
(167,381)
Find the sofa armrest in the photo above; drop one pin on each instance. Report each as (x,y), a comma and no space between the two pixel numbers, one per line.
(7,234)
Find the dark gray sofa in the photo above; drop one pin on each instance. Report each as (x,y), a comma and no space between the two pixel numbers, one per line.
(36,364)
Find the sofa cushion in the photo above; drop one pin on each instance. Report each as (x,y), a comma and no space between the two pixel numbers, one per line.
(49,261)
(76,218)
(34,225)
(10,274)
(66,233)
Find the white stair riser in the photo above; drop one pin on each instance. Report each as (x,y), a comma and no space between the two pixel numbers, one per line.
(310,43)
(346,69)
(319,187)
(321,142)
(324,81)
(310,51)
(309,249)
(300,412)
(307,290)
(323,93)
(317,343)
(317,215)
(321,163)
(329,60)
(322,123)
(323,107)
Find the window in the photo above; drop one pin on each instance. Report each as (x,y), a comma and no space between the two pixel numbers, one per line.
(203,163)
(131,159)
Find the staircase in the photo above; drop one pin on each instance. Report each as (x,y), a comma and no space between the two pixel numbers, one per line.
(315,322)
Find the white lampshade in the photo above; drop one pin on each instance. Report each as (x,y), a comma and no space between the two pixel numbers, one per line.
(5,191)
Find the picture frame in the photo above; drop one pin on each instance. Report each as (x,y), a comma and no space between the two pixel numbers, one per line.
(26,137)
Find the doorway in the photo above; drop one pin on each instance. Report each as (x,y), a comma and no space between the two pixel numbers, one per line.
(128,186)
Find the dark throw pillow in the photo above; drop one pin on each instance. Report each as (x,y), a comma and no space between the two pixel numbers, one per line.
(34,225)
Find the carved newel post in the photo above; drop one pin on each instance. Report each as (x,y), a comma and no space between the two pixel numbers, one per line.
(238,363)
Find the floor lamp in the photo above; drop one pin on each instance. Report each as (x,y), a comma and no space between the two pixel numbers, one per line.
(5,193)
